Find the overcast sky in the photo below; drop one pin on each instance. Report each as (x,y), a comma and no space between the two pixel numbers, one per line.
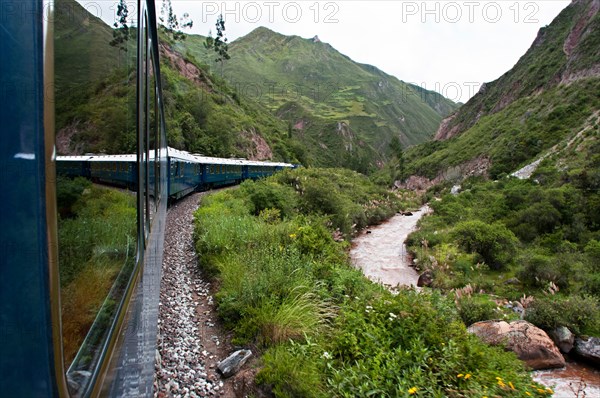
(448,46)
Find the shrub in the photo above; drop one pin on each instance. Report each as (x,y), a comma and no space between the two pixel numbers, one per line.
(265,194)
(68,191)
(495,243)
(539,270)
(475,309)
(581,314)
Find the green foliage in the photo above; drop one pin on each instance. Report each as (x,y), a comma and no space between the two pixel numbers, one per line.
(495,243)
(68,192)
(102,231)
(287,287)
(581,314)
(539,270)
(269,195)
(292,370)
(344,113)
(513,136)
(475,309)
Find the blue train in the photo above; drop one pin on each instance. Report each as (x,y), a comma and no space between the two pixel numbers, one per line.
(116,356)
(186,172)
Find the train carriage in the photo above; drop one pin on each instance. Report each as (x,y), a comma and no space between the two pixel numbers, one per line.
(116,356)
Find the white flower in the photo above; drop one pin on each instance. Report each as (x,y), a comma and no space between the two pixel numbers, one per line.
(393,315)
(326,355)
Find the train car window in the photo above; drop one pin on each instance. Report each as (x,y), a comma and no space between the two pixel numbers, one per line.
(97,223)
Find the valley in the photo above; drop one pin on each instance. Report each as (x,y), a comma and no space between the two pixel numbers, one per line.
(512,179)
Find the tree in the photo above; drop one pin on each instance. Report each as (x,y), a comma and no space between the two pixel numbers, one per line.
(219,43)
(170,24)
(121,31)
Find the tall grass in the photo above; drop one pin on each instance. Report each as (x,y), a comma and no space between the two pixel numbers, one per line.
(95,243)
(287,288)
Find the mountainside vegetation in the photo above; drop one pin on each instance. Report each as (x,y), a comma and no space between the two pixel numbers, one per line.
(514,182)
(345,113)
(96,98)
(324,329)
(549,97)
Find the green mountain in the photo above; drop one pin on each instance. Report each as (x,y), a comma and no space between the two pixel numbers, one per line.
(345,113)
(95,98)
(547,99)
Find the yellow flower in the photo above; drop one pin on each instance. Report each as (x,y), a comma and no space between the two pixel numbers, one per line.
(467,376)
(549,390)
(412,390)
(501,383)
(528,393)
(460,375)
(511,385)
(292,236)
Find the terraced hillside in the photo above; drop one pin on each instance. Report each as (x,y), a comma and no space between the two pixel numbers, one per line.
(345,113)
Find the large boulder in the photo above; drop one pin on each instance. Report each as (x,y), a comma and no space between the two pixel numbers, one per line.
(563,338)
(531,344)
(588,349)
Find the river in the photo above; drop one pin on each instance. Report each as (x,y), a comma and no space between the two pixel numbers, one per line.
(381,254)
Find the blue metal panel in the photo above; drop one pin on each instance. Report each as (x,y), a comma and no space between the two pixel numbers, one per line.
(26,356)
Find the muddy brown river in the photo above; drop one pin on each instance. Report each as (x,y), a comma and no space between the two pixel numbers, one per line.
(381,254)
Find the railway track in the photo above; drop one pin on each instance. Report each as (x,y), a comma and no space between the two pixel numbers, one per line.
(190,341)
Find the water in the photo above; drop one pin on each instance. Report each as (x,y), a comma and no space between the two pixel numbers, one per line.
(574,381)
(381,254)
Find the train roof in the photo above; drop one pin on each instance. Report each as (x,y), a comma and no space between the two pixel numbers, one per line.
(98,158)
(173,153)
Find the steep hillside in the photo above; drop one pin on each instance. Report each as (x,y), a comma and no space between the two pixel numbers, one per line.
(95,98)
(568,50)
(551,94)
(341,109)
(205,115)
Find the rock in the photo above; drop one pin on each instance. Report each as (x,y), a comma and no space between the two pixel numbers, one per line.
(425,279)
(407,213)
(531,344)
(563,338)
(233,363)
(588,349)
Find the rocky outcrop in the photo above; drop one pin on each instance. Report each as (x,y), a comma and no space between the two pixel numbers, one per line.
(446,129)
(563,338)
(531,344)
(255,146)
(186,68)
(475,167)
(588,349)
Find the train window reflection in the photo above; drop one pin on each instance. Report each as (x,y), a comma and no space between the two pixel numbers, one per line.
(95,75)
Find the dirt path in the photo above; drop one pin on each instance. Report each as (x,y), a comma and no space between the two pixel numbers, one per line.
(190,342)
(381,254)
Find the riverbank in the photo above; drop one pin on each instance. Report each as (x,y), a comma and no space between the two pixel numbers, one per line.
(380,252)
